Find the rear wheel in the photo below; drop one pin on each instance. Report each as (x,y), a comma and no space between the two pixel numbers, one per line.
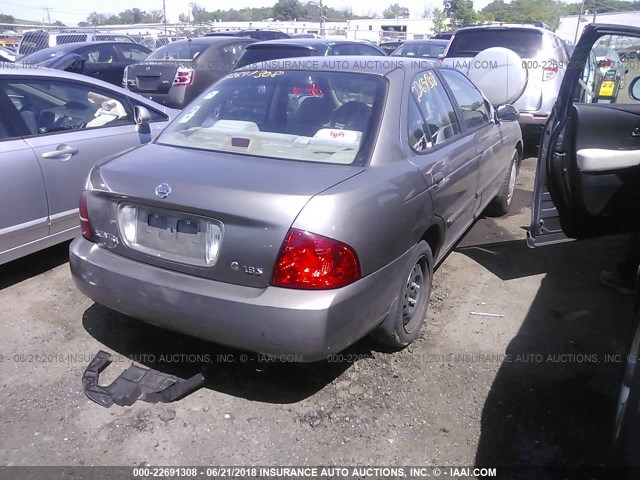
(502,202)
(403,323)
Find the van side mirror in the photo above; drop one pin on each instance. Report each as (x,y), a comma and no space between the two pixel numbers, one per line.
(142,118)
(508,113)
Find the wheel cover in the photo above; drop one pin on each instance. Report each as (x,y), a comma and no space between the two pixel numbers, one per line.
(413,296)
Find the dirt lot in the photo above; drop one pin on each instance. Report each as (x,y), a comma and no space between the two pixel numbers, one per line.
(532,387)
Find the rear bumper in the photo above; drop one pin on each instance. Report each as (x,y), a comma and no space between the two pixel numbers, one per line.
(283,323)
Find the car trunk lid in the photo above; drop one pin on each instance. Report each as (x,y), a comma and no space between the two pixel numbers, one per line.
(249,202)
(154,76)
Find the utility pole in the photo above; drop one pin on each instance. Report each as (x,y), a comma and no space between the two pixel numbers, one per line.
(164,15)
(48,9)
(321,21)
(575,39)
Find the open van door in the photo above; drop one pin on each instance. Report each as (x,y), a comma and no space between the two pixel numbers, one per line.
(588,176)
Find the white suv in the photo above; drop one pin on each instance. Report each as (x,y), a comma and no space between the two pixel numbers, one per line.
(544,55)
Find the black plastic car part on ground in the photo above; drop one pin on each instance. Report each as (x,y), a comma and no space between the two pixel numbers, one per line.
(135,383)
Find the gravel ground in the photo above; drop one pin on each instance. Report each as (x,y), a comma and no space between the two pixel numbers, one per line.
(534,386)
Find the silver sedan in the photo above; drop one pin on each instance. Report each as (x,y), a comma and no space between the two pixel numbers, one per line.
(292,211)
(54,126)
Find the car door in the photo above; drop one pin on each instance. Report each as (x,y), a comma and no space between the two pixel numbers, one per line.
(446,157)
(478,120)
(24,212)
(72,125)
(588,176)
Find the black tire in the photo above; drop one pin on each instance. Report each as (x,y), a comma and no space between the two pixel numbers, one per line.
(502,201)
(403,323)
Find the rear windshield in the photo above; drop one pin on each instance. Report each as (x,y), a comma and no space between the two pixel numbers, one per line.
(421,49)
(291,115)
(262,54)
(525,42)
(181,51)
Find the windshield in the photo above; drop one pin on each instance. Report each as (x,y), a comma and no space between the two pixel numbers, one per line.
(525,42)
(421,49)
(178,51)
(292,115)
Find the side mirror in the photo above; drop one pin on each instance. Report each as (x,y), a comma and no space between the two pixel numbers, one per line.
(634,89)
(142,118)
(508,113)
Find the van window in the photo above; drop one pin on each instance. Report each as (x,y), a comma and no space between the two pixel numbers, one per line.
(71,38)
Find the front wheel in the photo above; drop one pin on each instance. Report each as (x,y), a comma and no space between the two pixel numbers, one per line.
(402,325)
(502,201)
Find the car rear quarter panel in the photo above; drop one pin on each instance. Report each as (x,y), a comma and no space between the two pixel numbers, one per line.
(386,209)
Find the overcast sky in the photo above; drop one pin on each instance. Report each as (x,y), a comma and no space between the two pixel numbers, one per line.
(70,12)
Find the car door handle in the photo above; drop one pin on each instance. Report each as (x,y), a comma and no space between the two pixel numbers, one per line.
(63,152)
(635,132)
(439,181)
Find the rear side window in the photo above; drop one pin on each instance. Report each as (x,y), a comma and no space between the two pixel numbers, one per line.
(436,109)
(62,39)
(230,54)
(132,53)
(525,42)
(471,102)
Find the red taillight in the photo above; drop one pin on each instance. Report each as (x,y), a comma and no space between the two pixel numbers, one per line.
(85,225)
(184,76)
(550,70)
(310,261)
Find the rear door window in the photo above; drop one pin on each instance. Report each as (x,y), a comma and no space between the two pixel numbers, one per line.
(473,106)
(71,38)
(436,109)
(132,53)
(525,42)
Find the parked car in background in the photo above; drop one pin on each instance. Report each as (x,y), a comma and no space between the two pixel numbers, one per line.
(430,48)
(257,34)
(543,53)
(304,47)
(154,42)
(588,185)
(390,47)
(101,60)
(178,72)
(54,126)
(40,39)
(296,228)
